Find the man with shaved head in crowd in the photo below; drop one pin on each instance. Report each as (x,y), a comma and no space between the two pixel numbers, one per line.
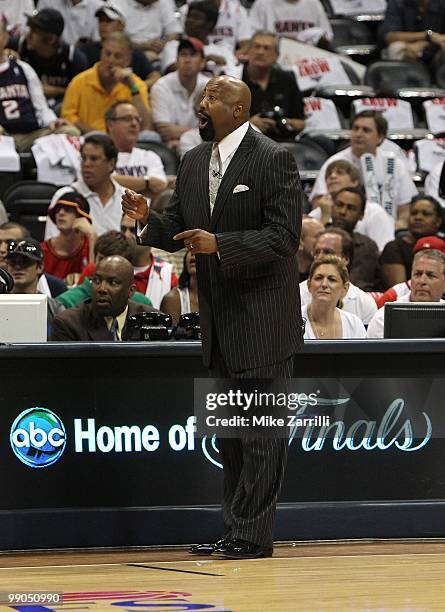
(237,208)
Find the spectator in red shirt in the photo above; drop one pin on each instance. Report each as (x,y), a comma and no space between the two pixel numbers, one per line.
(70,251)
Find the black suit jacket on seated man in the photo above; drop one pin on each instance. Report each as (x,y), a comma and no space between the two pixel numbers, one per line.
(83,324)
(248,295)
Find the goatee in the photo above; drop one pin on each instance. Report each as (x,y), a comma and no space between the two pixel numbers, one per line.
(207,132)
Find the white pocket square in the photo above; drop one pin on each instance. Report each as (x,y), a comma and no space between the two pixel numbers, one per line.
(240,188)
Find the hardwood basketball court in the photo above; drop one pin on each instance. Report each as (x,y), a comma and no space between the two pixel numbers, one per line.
(341,576)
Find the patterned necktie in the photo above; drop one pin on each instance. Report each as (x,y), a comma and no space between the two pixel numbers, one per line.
(215,176)
(113,331)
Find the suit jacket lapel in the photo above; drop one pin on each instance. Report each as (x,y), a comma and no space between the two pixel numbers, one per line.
(228,182)
(97,328)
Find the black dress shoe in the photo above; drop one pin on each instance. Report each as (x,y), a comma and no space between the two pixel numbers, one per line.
(206,549)
(240,549)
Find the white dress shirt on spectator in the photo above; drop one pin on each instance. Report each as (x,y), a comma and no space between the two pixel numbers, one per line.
(80,20)
(171,102)
(144,23)
(189,140)
(105,217)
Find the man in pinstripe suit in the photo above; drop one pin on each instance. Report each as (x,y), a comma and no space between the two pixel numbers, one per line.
(237,207)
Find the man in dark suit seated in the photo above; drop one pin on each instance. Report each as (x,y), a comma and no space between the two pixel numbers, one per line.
(237,208)
(104,317)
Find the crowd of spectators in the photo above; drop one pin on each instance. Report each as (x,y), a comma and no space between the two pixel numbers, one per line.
(103,92)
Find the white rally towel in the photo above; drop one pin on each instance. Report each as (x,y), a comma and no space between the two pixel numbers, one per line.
(398,113)
(318,71)
(292,50)
(320,114)
(435,114)
(378,179)
(57,158)
(9,158)
(428,152)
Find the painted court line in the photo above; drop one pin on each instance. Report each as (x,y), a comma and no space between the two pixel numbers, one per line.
(171,569)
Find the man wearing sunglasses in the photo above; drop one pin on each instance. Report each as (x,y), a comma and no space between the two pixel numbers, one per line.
(14,232)
(137,169)
(24,261)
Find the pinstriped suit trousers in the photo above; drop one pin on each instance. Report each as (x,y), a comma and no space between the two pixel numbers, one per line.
(253,467)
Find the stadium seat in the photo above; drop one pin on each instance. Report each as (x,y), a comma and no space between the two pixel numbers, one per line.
(308,154)
(350,32)
(27,203)
(28,164)
(168,157)
(362,10)
(440,76)
(344,95)
(326,143)
(7,179)
(387,78)
(353,39)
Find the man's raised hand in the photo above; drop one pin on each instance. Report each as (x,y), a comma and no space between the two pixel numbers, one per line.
(135,206)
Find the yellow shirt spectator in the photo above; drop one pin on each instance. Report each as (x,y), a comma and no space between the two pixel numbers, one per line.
(93,91)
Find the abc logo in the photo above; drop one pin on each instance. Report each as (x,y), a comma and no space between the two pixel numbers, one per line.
(38,437)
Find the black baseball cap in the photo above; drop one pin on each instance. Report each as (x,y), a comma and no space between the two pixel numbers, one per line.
(28,247)
(74,200)
(48,20)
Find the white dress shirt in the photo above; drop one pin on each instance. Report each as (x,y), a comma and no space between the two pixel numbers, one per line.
(172,103)
(229,144)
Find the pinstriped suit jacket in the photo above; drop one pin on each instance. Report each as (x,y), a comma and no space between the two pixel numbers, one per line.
(249,295)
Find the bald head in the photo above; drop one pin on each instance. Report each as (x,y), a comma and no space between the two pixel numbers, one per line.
(234,90)
(113,285)
(119,265)
(224,107)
